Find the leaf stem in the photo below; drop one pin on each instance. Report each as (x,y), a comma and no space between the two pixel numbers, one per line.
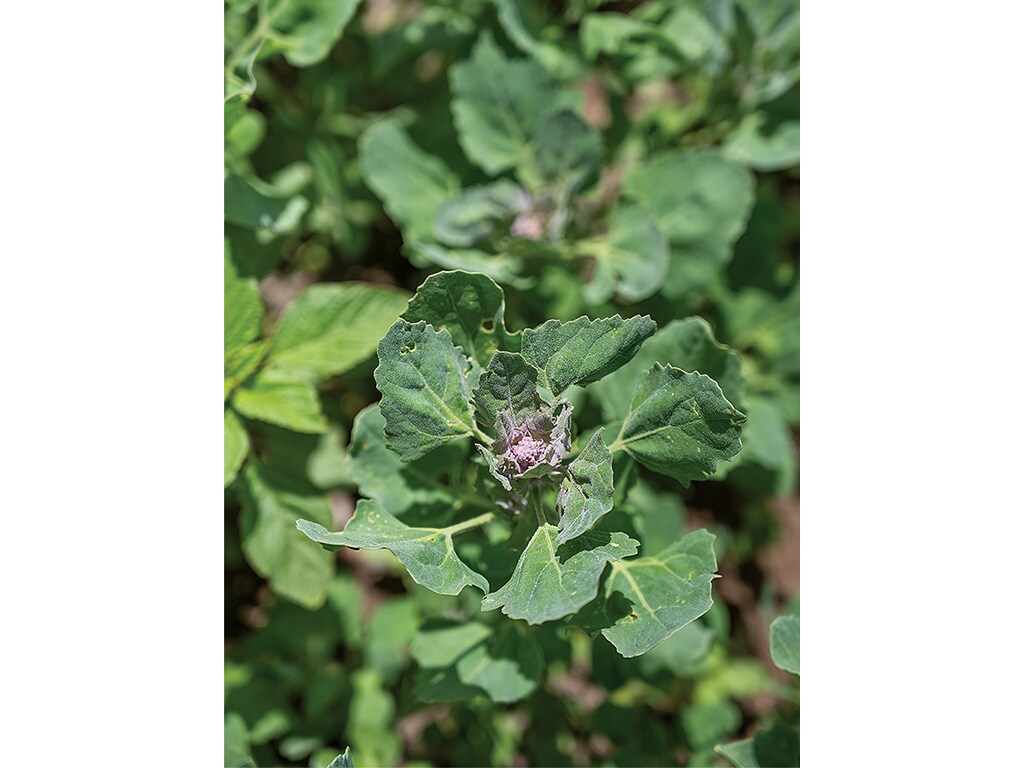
(475,522)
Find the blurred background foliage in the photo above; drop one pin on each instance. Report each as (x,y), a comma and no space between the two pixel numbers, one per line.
(593,158)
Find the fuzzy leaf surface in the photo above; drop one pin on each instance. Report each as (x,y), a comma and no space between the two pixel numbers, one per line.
(666,592)
(422,378)
(680,424)
(428,553)
(586,491)
(470,306)
(551,581)
(583,350)
(688,345)
(329,329)
(509,384)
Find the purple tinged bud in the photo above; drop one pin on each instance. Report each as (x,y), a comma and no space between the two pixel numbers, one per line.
(536,445)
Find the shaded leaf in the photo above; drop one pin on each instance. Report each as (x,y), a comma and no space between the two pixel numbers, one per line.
(236,445)
(306,30)
(583,350)
(496,103)
(749,144)
(411,183)
(476,213)
(567,151)
(424,389)
(297,568)
(586,491)
(680,424)
(463,660)
(328,329)
(552,581)
(631,261)
(243,309)
(427,553)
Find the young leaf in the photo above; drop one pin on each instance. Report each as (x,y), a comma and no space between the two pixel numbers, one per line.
(784,638)
(510,385)
(688,345)
(411,183)
(243,309)
(496,103)
(586,491)
(328,329)
(680,424)
(344,760)
(666,592)
(297,568)
(463,660)
(748,144)
(583,350)
(424,390)
(427,553)
(470,306)
(281,397)
(551,581)
(236,445)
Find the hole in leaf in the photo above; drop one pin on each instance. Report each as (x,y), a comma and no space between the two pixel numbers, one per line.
(487,326)
(407,348)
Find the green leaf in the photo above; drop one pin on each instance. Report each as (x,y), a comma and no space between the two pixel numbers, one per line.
(666,592)
(555,58)
(237,752)
(496,102)
(706,722)
(236,445)
(297,568)
(259,207)
(306,30)
(427,553)
(680,424)
(422,378)
(243,309)
(344,760)
(702,202)
(476,213)
(328,329)
(584,350)
(369,725)
(586,491)
(784,637)
(470,306)
(461,660)
(509,384)
(551,581)
(688,345)
(501,267)
(749,144)
(242,363)
(411,183)
(567,151)
(739,753)
(414,487)
(631,261)
(281,397)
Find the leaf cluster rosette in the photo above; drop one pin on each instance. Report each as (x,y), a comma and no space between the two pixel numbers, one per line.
(450,372)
